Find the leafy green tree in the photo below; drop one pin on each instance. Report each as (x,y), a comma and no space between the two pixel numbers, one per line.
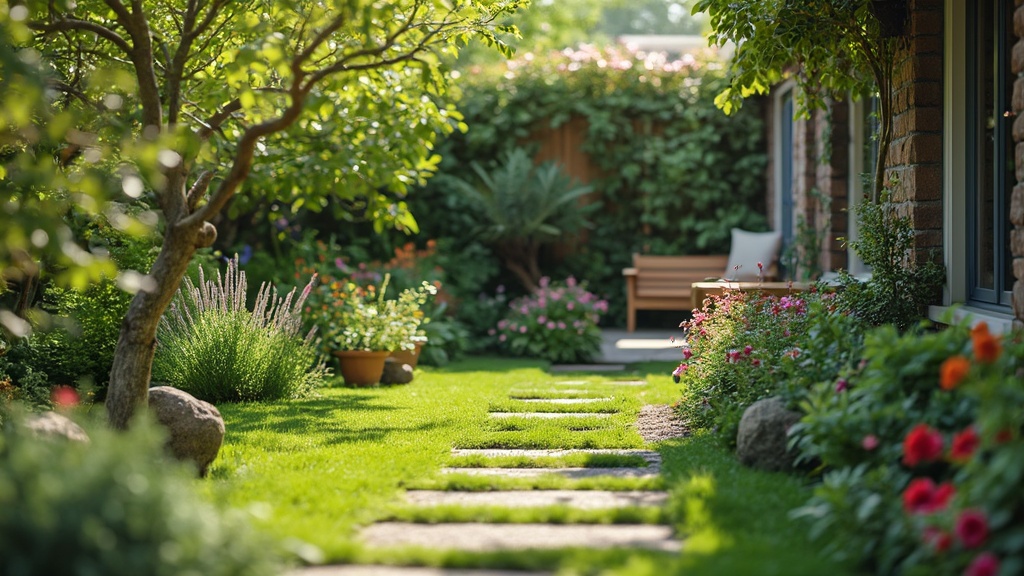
(174,102)
(831,47)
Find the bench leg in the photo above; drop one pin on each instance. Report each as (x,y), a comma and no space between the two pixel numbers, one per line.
(630,317)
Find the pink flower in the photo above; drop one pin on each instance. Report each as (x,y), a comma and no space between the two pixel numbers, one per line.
(972,528)
(841,385)
(984,564)
(561,325)
(502,338)
(492,332)
(542,319)
(869,442)
(550,325)
(747,350)
(522,329)
(569,305)
(687,353)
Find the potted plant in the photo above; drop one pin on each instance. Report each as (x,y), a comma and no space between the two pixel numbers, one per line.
(362,327)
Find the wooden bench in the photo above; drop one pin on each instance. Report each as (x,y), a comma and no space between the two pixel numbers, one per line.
(666,282)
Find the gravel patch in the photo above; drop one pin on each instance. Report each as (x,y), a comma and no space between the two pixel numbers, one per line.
(660,422)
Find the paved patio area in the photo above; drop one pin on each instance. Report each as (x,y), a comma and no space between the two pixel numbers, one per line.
(621,347)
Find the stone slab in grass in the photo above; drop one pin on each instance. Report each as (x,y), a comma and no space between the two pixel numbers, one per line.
(572,473)
(354,570)
(543,415)
(582,499)
(478,537)
(653,458)
(587,368)
(537,394)
(571,382)
(564,400)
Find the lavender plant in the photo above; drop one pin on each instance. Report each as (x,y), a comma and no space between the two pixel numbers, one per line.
(211,346)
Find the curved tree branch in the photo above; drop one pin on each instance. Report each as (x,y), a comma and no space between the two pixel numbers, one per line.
(75,24)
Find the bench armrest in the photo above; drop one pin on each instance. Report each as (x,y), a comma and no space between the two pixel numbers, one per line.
(629,271)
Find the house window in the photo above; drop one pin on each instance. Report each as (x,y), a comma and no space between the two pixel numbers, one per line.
(784,189)
(990,161)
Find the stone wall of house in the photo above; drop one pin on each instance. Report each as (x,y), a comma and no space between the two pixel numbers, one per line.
(915,157)
(1017,200)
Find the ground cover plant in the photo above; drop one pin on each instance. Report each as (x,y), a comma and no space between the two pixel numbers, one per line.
(321,467)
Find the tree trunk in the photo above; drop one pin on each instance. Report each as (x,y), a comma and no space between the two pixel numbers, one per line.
(133,356)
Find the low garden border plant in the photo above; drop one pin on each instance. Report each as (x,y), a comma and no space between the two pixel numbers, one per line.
(213,347)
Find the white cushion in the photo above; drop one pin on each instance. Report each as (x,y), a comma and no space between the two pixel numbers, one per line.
(749,248)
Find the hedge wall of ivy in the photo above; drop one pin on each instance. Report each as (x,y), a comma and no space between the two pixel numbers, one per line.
(676,173)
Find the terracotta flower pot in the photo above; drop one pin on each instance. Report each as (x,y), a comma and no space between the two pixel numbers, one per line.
(361,367)
(409,357)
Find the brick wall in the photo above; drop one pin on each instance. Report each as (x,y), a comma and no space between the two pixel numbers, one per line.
(1017,200)
(833,183)
(915,157)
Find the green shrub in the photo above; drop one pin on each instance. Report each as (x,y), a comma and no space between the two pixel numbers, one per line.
(899,287)
(558,322)
(926,433)
(114,507)
(213,347)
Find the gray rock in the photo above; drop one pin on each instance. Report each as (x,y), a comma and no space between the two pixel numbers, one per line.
(53,425)
(195,427)
(396,373)
(761,441)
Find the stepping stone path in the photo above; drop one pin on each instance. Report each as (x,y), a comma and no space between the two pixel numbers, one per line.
(482,537)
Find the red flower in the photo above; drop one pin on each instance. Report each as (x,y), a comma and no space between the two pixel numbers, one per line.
(986,346)
(939,539)
(64,396)
(923,497)
(964,445)
(984,564)
(953,371)
(922,444)
(972,528)
(1004,436)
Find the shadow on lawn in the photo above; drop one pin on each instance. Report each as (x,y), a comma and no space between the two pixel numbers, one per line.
(325,419)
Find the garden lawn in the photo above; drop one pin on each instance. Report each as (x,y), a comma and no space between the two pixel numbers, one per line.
(316,470)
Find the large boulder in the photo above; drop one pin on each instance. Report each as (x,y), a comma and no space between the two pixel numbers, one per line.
(763,435)
(195,428)
(53,425)
(396,372)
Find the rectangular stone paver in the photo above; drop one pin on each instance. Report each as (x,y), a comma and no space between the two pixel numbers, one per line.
(574,473)
(587,368)
(544,415)
(653,458)
(354,570)
(582,499)
(564,400)
(479,537)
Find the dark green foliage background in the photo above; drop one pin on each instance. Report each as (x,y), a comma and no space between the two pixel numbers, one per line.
(678,173)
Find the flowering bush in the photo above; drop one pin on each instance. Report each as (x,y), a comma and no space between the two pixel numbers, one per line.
(743,346)
(558,322)
(936,490)
(355,318)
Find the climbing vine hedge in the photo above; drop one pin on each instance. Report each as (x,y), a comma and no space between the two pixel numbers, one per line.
(675,173)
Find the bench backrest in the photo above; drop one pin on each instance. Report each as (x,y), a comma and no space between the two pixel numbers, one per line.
(673,275)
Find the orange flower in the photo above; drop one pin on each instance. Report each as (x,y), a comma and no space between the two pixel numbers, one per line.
(953,371)
(986,346)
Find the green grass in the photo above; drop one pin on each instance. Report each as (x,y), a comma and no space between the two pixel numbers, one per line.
(318,469)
